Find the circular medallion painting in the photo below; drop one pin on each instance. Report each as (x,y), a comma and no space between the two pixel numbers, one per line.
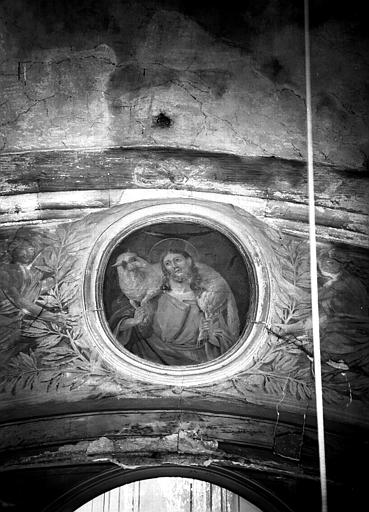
(177,293)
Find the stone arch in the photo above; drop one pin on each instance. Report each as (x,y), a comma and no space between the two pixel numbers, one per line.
(227,478)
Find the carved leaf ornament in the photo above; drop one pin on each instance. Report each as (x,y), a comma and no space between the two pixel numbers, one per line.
(44,345)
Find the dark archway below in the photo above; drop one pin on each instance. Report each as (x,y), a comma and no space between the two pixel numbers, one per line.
(63,487)
(223,477)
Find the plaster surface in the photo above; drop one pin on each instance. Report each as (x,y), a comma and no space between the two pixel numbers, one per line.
(216,77)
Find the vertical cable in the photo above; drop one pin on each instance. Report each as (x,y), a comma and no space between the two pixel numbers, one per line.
(313,272)
(191,495)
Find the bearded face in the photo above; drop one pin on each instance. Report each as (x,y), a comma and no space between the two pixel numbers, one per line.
(177,267)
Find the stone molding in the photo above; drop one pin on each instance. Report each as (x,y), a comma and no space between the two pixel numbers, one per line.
(240,229)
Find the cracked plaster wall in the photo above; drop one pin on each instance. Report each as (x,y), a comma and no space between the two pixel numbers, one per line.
(230,79)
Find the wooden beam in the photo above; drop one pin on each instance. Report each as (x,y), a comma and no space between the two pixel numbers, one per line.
(50,186)
(270,178)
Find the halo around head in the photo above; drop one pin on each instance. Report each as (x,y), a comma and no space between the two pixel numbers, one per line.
(172,245)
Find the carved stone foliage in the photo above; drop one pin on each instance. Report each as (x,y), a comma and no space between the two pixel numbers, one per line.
(39,334)
(46,348)
(344,325)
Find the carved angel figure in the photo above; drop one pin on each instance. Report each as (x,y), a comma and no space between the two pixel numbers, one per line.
(344,326)
(21,285)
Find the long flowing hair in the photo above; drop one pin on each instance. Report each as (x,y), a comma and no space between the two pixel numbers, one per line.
(195,282)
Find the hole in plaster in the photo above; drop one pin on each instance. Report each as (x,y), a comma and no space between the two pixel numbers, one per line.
(162,121)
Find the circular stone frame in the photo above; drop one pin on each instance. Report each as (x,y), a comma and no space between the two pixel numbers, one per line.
(240,230)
